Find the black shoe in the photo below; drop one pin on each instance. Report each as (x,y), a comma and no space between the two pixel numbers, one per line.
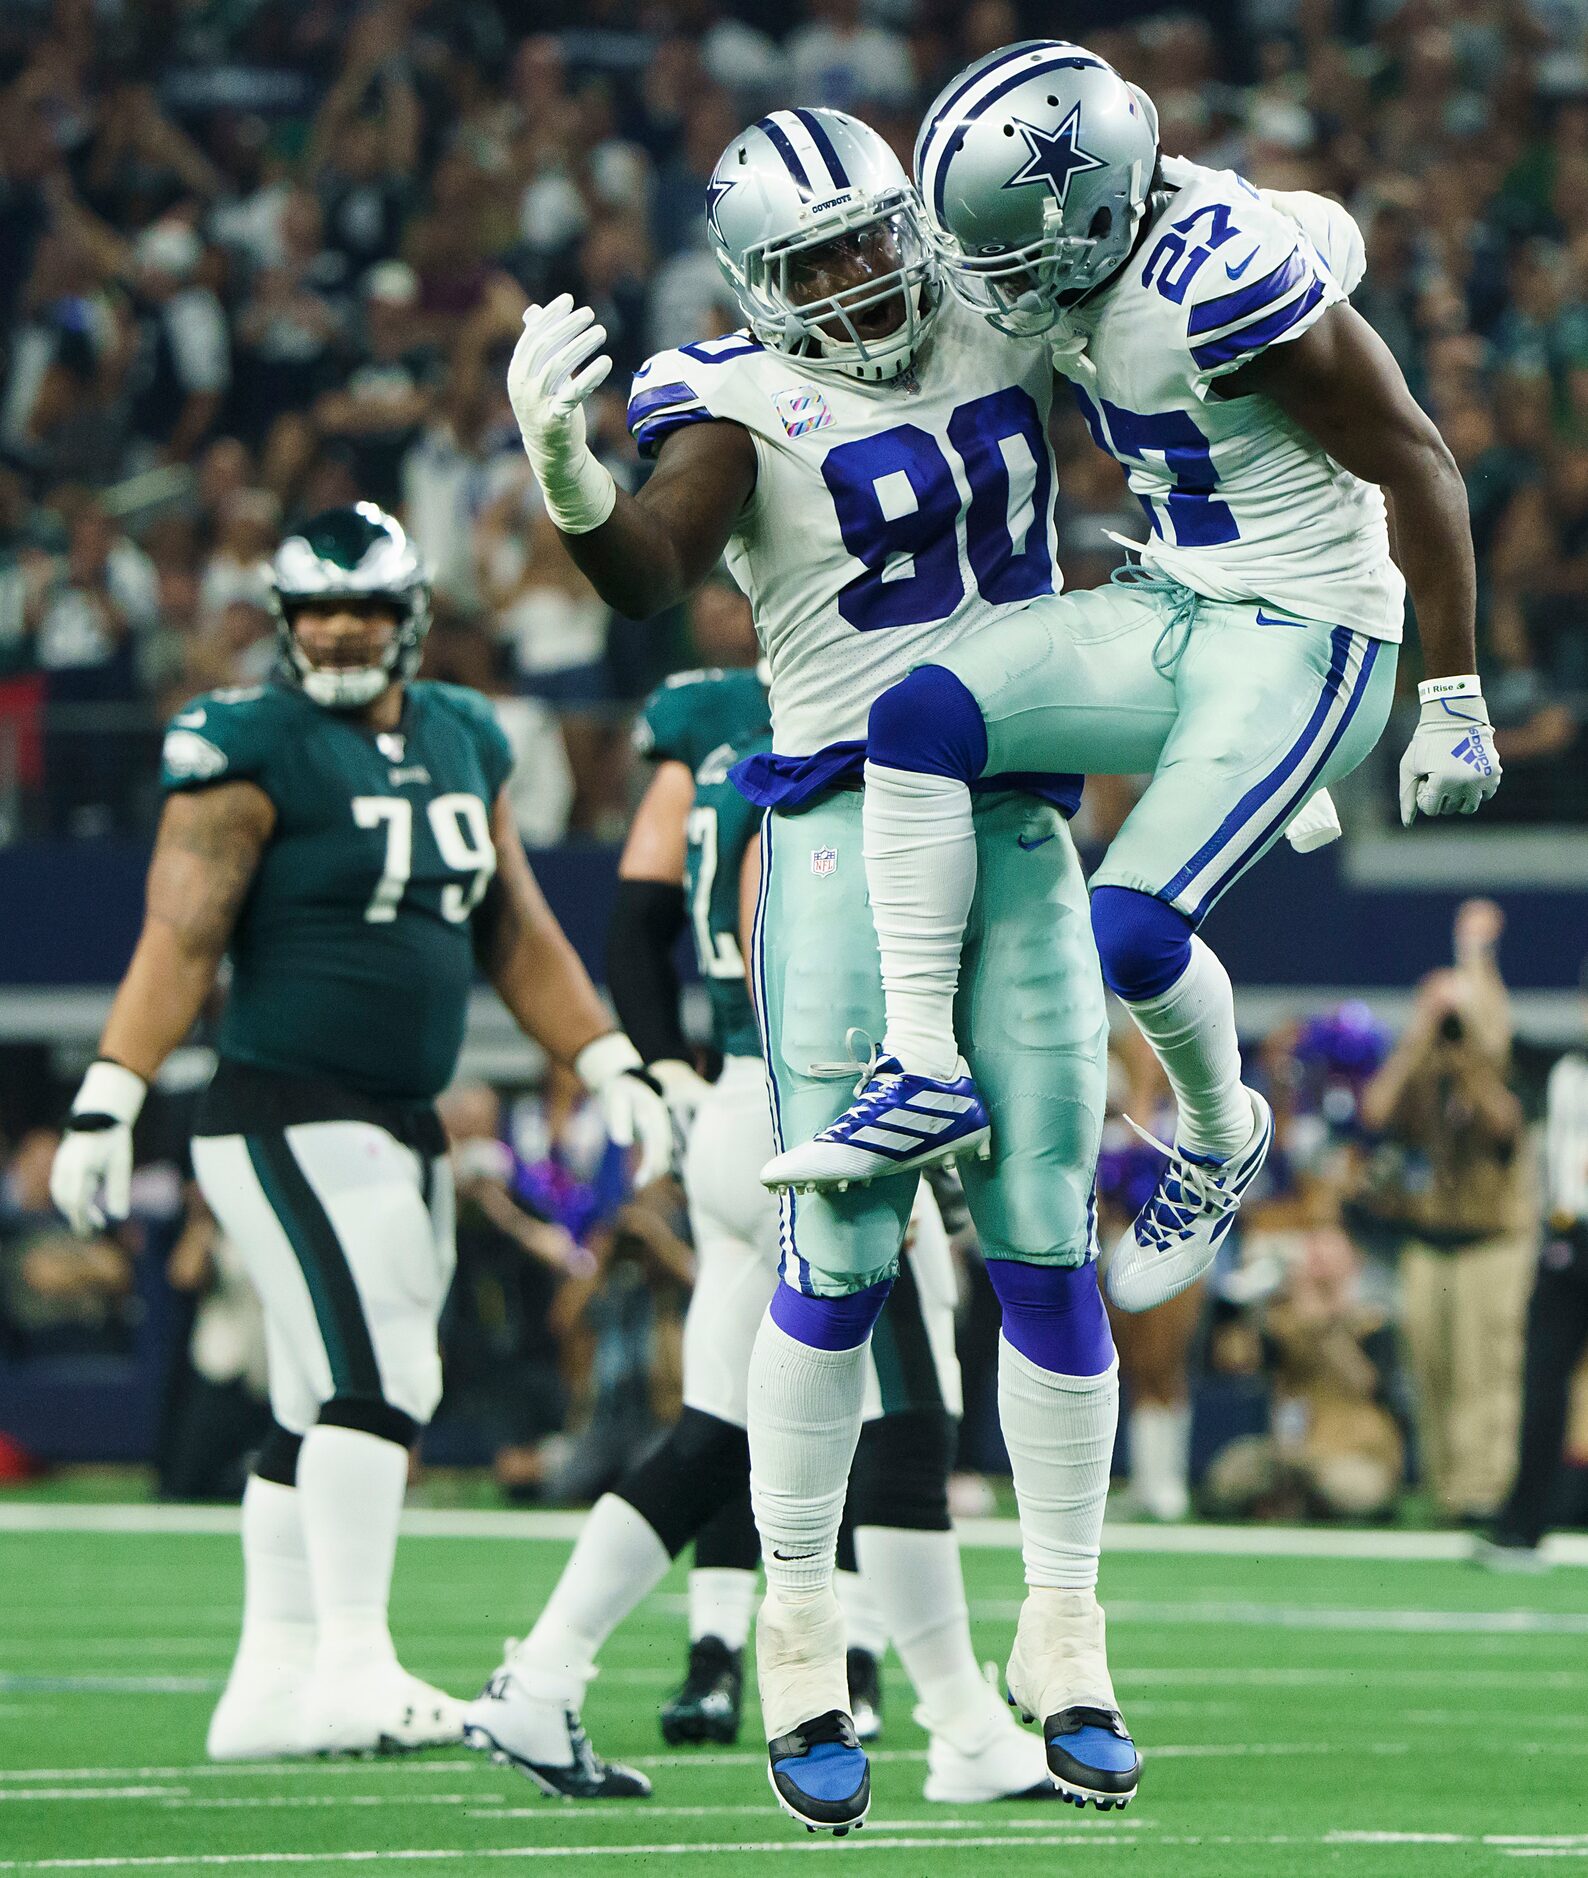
(586,1777)
(865,1694)
(1092,1757)
(705,1707)
(820,1774)
(1500,1550)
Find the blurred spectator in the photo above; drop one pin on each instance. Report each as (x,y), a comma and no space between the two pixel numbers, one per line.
(183,366)
(1333,1449)
(59,1295)
(218,1408)
(1557,1321)
(1468,1215)
(387,395)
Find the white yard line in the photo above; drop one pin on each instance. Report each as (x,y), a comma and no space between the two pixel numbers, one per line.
(996,1534)
(881,1836)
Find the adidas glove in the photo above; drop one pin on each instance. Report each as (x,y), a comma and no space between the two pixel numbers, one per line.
(556,365)
(632,1104)
(1450,766)
(91,1177)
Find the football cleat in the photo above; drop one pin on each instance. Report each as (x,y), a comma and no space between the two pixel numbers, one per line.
(385,1712)
(1058,1670)
(820,1774)
(543,1738)
(706,1705)
(898,1123)
(1176,1236)
(984,1756)
(260,1714)
(865,1694)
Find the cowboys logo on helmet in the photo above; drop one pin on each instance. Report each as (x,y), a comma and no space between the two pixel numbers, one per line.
(359,558)
(818,231)
(1035,166)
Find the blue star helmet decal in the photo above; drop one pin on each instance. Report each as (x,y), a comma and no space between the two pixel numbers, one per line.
(1054,156)
(716,189)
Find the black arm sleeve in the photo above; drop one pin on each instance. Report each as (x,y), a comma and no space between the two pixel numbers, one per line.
(647,917)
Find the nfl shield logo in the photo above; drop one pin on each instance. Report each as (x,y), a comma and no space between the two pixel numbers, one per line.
(802,408)
(824,861)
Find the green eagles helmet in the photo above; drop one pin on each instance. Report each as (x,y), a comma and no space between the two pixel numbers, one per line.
(359,553)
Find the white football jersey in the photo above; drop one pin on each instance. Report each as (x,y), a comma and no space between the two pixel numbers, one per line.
(1242,504)
(887,521)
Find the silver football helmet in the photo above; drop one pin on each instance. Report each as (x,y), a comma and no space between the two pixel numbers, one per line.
(819,233)
(359,555)
(1034,166)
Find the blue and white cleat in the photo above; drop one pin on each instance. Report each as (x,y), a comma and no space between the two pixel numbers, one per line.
(1176,1236)
(1058,1670)
(820,1774)
(898,1123)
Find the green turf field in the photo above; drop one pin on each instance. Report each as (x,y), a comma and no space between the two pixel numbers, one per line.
(1298,1716)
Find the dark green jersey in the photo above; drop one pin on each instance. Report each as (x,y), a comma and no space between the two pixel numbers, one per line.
(352,958)
(709,720)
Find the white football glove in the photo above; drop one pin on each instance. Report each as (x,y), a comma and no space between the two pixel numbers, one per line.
(91,1177)
(556,365)
(632,1104)
(683,1089)
(1451,766)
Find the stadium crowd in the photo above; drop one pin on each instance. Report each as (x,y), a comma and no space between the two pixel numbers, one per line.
(258,259)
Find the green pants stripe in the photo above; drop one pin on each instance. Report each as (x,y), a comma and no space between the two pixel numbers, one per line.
(337,1307)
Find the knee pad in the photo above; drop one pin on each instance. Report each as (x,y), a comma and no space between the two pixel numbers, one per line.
(900,1473)
(371,1416)
(277,1458)
(829,1323)
(928,721)
(1144,944)
(697,1471)
(1053,1315)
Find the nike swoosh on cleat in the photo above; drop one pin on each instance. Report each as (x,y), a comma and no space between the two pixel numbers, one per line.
(1041,841)
(1268,619)
(1236,272)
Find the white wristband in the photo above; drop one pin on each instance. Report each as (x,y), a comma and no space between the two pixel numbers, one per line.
(580,494)
(604,1058)
(1469,685)
(108,1089)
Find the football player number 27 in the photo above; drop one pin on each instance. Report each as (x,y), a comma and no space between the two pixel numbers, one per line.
(898,507)
(462,833)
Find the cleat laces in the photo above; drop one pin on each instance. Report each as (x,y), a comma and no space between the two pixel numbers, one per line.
(1188,1192)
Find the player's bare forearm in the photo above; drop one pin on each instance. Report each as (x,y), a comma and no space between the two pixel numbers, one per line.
(658,546)
(526,955)
(205,857)
(1341,384)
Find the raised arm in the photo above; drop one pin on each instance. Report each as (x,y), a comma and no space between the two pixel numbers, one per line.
(205,857)
(1340,383)
(642,553)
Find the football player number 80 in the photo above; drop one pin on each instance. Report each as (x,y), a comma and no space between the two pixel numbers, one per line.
(898,506)
(462,832)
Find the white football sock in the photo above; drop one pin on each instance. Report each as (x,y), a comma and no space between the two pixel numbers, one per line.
(1059,1431)
(804,1420)
(721,1599)
(920,853)
(618,1560)
(350,1493)
(1191,1028)
(278,1605)
(1160,1458)
(864,1625)
(916,1580)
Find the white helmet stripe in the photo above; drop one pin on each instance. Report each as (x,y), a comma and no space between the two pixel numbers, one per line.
(989,86)
(801,153)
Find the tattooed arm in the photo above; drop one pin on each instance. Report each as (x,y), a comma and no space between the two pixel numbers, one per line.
(205,858)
